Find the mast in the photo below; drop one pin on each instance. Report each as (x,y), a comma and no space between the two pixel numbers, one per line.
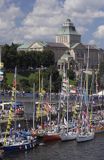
(97,71)
(39,80)
(34,109)
(87,100)
(67,103)
(87,71)
(59,105)
(38,107)
(41,98)
(15,89)
(50,98)
(1,77)
(10,118)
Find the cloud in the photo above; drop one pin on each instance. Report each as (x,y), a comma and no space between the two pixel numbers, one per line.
(43,21)
(99,34)
(8,17)
(82,5)
(2,3)
(92,42)
(47,16)
(81,29)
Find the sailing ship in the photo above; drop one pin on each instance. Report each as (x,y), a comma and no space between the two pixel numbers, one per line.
(11,142)
(66,134)
(85,130)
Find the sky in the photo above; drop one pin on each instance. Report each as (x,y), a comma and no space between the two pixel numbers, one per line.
(24,21)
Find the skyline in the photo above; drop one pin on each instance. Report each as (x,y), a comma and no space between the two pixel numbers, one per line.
(35,20)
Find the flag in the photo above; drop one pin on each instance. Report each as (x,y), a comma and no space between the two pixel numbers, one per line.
(38,110)
(47,107)
(42,92)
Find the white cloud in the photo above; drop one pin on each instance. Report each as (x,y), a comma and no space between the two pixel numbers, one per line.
(82,5)
(81,29)
(44,20)
(99,34)
(2,2)
(92,42)
(47,16)
(8,17)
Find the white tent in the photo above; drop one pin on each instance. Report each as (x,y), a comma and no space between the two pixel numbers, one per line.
(101,93)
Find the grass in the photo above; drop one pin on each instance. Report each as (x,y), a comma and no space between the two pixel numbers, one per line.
(30,76)
(10,77)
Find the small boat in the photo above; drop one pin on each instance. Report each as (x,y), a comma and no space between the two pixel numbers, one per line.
(19,146)
(83,137)
(68,136)
(99,129)
(20,141)
(51,137)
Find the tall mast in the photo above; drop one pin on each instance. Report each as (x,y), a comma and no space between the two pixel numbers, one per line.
(87,71)
(34,109)
(0,81)
(15,88)
(97,74)
(41,95)
(50,93)
(59,105)
(67,103)
(39,80)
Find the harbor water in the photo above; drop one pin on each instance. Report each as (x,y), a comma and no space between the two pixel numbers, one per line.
(92,150)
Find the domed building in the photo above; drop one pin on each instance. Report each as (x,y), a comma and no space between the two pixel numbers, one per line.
(68,35)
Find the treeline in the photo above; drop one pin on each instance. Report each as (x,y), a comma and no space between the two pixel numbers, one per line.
(25,60)
(28,64)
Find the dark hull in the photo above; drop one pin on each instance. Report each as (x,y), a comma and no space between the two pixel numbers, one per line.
(18,148)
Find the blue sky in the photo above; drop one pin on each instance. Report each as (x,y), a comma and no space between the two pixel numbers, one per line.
(31,20)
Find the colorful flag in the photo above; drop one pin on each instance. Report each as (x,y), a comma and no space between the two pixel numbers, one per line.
(47,107)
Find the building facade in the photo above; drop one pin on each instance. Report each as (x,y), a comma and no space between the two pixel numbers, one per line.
(68,39)
(57,48)
(81,53)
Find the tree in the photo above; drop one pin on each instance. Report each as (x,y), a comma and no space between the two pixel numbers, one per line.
(4,82)
(101,75)
(56,79)
(71,74)
(24,85)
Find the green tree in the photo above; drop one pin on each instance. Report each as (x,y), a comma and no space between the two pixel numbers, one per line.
(71,74)
(24,85)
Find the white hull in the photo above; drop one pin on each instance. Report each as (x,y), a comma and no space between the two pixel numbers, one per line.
(68,136)
(85,137)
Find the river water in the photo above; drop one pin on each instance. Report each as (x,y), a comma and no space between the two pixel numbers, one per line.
(92,150)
